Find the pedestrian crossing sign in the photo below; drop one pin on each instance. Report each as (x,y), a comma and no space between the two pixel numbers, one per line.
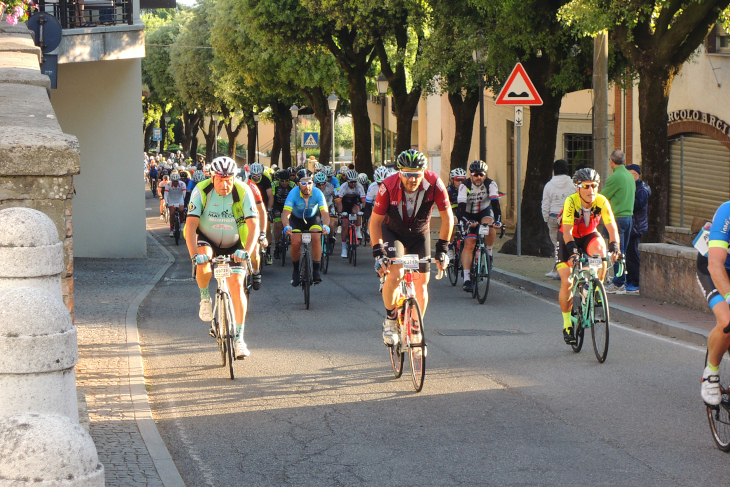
(310,139)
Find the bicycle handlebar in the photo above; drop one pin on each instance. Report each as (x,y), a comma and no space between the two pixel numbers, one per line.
(425,260)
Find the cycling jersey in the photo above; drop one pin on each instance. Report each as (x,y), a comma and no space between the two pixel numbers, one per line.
(335,182)
(175,193)
(302,208)
(220,221)
(453,192)
(263,185)
(255,192)
(346,191)
(477,198)
(372,193)
(281,191)
(329,192)
(584,220)
(720,230)
(409,214)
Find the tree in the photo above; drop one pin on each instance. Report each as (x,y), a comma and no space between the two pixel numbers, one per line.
(658,37)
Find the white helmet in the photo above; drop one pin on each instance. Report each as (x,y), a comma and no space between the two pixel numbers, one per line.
(175,176)
(317,167)
(362,178)
(380,174)
(224,166)
(198,176)
(329,171)
(351,175)
(458,172)
(256,169)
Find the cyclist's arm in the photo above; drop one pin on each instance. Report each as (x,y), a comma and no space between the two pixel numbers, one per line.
(568,232)
(270,195)
(285,218)
(253,234)
(325,216)
(612,229)
(716,265)
(376,229)
(263,216)
(338,204)
(447,224)
(191,239)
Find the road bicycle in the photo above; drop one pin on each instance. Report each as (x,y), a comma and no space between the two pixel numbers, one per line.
(365,230)
(590,304)
(326,252)
(224,323)
(719,416)
(352,241)
(455,268)
(305,266)
(153,187)
(166,214)
(481,265)
(283,245)
(176,226)
(411,333)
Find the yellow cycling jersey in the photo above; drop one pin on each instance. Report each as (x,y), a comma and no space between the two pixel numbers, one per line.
(585,223)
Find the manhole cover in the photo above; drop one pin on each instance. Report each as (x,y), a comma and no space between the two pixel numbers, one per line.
(478,333)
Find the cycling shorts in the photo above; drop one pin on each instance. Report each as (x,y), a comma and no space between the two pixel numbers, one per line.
(478,217)
(236,267)
(561,253)
(709,291)
(313,224)
(277,215)
(349,201)
(397,246)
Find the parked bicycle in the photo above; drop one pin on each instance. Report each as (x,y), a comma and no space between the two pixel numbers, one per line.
(590,304)
(411,333)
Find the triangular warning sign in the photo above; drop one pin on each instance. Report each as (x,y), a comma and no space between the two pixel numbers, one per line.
(518,90)
(310,142)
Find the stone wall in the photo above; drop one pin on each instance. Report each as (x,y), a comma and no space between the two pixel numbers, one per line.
(37,160)
(681,235)
(668,273)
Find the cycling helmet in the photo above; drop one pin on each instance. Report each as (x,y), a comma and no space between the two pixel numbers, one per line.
(457,173)
(299,167)
(198,176)
(586,174)
(320,178)
(274,167)
(362,178)
(317,167)
(165,173)
(224,166)
(411,159)
(478,166)
(282,175)
(176,166)
(206,167)
(328,171)
(351,175)
(256,169)
(175,176)
(243,175)
(303,173)
(381,173)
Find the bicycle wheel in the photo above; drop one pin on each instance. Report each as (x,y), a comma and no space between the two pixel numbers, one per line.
(220,332)
(354,255)
(481,284)
(473,273)
(396,355)
(452,272)
(599,317)
(719,416)
(228,326)
(176,228)
(413,319)
(305,276)
(325,254)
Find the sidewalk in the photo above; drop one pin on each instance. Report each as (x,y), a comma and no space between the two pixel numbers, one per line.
(108,293)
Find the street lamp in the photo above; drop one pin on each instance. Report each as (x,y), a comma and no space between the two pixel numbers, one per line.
(256,119)
(478,58)
(215,117)
(332,102)
(382,89)
(167,120)
(294,114)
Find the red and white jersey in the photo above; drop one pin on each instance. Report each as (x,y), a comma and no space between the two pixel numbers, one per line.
(175,193)
(256,192)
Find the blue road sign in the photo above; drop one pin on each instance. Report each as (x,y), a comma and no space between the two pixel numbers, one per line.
(157,135)
(311,139)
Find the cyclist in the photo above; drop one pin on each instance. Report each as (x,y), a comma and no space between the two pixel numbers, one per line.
(353,199)
(263,182)
(362,178)
(456,178)
(331,198)
(581,214)
(399,225)
(478,202)
(152,177)
(263,223)
(305,210)
(222,220)
(331,176)
(280,189)
(379,175)
(713,276)
(174,197)
(164,179)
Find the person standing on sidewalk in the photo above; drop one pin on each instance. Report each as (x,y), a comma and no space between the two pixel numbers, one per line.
(620,190)
(639,225)
(554,195)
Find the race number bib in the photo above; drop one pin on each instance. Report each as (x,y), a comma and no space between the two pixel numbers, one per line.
(306,238)
(410,261)
(222,271)
(702,240)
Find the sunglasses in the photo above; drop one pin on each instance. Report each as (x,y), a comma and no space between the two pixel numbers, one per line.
(409,175)
(225,176)
(588,185)
(478,174)
(305,183)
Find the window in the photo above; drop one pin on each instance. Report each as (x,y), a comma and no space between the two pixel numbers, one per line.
(578,150)
(376,143)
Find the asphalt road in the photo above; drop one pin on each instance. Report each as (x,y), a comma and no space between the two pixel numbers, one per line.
(505,401)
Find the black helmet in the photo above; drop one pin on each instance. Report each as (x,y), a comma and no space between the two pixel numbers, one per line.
(304,173)
(282,175)
(586,174)
(477,166)
(411,159)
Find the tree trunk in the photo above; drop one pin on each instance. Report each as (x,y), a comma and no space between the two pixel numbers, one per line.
(190,120)
(276,145)
(194,140)
(464,109)
(163,129)
(148,137)
(283,132)
(654,86)
(252,136)
(542,136)
(357,85)
(210,136)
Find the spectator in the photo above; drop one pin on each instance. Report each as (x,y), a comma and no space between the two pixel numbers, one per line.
(639,225)
(554,195)
(620,190)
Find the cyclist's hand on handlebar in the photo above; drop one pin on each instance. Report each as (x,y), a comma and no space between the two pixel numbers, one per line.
(263,240)
(326,229)
(240,255)
(287,230)
(442,261)
(381,266)
(200,259)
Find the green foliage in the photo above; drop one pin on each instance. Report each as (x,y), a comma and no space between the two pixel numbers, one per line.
(344,134)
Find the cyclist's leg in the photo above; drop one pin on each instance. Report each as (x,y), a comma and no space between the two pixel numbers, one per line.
(565,296)
(718,341)
(173,209)
(240,305)
(203,273)
(394,249)
(421,246)
(597,246)
(255,257)
(358,221)
(467,250)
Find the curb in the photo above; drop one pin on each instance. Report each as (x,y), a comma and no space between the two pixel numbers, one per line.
(157,449)
(638,319)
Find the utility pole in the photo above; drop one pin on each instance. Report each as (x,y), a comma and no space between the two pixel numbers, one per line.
(600,105)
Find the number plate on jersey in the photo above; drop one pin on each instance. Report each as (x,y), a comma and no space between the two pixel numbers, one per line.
(222,270)
(410,261)
(595,262)
(483,230)
(306,237)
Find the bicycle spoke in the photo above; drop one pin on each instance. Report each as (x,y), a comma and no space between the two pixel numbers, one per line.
(598,315)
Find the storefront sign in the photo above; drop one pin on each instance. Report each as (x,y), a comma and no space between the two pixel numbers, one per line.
(698,116)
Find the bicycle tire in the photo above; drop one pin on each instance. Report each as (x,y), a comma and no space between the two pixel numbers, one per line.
(474,271)
(354,255)
(416,351)
(599,316)
(230,326)
(452,272)
(483,277)
(304,277)
(396,358)
(719,416)
(219,333)
(176,228)
(325,254)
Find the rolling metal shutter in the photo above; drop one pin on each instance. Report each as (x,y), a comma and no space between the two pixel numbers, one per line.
(706,178)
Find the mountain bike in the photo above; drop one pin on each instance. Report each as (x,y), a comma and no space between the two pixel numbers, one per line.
(411,333)
(455,267)
(719,416)
(590,304)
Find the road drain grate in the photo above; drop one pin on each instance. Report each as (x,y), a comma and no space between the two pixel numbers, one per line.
(478,333)
(169,279)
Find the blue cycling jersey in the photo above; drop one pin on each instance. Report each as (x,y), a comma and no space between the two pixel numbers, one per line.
(335,182)
(191,185)
(302,208)
(720,230)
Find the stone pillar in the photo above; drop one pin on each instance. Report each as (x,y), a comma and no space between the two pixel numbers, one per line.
(47,450)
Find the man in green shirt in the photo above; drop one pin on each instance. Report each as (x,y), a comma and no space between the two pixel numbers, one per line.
(620,190)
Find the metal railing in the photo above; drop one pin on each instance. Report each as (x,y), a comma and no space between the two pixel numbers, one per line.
(89,13)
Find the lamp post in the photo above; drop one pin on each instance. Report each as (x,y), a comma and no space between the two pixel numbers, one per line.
(256,119)
(215,117)
(294,114)
(332,102)
(167,120)
(477,57)
(382,89)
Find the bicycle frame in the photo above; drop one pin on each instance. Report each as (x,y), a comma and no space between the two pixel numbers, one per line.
(584,272)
